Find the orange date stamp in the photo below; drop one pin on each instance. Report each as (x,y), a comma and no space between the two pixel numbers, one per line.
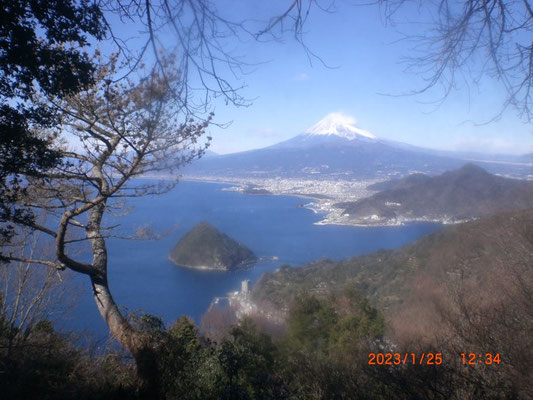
(404,359)
(466,359)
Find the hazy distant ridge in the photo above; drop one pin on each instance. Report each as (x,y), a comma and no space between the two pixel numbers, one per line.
(335,148)
(461,194)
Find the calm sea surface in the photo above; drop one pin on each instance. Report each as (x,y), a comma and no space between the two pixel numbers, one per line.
(142,278)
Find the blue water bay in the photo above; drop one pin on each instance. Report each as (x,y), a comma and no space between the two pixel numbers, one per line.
(142,278)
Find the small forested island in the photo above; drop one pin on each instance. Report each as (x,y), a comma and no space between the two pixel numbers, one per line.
(205,247)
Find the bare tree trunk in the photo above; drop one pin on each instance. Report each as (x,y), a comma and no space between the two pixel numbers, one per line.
(142,352)
(120,328)
(118,325)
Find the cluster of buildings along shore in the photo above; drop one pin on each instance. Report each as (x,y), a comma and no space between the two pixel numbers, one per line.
(324,193)
(242,305)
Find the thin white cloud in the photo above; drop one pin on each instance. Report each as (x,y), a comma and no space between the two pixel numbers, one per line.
(301,77)
(492,145)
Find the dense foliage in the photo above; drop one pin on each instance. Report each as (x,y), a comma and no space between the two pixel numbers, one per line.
(323,354)
(41,44)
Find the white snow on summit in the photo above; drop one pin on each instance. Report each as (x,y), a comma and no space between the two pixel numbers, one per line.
(340,125)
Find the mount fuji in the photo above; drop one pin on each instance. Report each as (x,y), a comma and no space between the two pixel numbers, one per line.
(340,125)
(334,128)
(334,148)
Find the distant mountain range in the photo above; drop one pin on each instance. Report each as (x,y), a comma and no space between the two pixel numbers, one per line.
(335,148)
(456,195)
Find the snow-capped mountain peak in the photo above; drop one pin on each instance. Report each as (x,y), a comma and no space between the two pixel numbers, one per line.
(340,125)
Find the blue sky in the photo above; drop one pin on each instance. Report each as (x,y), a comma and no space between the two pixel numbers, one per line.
(291,93)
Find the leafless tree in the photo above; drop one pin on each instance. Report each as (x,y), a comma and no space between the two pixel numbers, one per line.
(466,39)
(28,295)
(471,39)
(125,129)
(125,126)
(202,39)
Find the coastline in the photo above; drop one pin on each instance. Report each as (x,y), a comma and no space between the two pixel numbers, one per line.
(323,193)
(242,266)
